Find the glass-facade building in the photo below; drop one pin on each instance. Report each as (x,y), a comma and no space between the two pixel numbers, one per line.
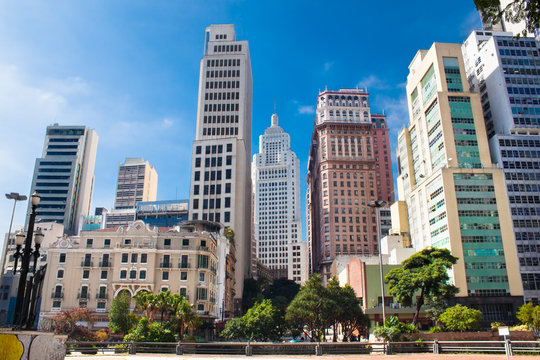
(456,198)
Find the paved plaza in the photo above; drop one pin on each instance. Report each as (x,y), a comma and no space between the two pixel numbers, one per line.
(329,357)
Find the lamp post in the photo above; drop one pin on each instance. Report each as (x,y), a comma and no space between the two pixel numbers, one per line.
(16,197)
(377,204)
(26,254)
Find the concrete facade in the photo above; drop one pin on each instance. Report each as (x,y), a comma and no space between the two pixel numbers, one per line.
(220,172)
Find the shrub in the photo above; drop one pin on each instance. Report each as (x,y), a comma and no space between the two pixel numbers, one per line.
(435,329)
(393,329)
(461,318)
(496,325)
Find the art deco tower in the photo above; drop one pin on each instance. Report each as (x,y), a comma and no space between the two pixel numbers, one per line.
(276,189)
(221,168)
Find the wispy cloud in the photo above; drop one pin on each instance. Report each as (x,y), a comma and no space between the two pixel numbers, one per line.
(373,82)
(328,65)
(471,22)
(306,109)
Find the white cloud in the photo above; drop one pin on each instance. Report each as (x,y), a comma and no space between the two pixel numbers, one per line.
(167,123)
(306,109)
(373,82)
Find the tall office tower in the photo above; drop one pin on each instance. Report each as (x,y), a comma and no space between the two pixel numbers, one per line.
(137,181)
(456,197)
(506,72)
(64,176)
(275,174)
(349,166)
(220,171)
(309,239)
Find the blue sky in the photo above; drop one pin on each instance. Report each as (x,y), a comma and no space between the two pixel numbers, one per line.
(129,69)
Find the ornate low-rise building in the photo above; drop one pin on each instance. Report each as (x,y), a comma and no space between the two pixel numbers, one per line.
(90,270)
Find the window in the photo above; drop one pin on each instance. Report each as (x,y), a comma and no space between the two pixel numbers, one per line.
(165,276)
(127,241)
(103,275)
(142,274)
(133,274)
(167,243)
(107,243)
(183,275)
(124,258)
(60,274)
(101,305)
(229,147)
(89,243)
(202,293)
(201,277)
(86,274)
(228,173)
(134,258)
(185,242)
(202,262)
(183,291)
(123,274)
(144,258)
(62,259)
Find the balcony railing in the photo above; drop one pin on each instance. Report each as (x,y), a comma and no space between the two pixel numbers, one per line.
(83,296)
(105,263)
(102,296)
(57,295)
(166,265)
(184,265)
(85,263)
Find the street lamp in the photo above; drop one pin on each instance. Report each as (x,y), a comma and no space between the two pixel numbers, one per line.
(16,197)
(23,303)
(377,204)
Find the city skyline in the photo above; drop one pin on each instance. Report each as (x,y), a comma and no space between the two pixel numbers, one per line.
(125,88)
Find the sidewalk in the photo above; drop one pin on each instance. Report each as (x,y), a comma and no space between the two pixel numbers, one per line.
(312,357)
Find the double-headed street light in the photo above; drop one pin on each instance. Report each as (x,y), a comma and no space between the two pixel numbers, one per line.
(24,290)
(377,204)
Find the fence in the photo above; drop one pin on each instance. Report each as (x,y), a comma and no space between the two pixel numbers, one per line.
(307,348)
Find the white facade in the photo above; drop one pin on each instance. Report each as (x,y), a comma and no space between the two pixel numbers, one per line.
(64,175)
(220,175)
(506,73)
(275,175)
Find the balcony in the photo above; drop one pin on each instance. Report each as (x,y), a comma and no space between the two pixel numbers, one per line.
(57,295)
(85,263)
(83,296)
(102,296)
(184,265)
(165,265)
(105,264)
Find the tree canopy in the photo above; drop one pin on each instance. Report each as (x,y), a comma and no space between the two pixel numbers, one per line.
(261,322)
(120,318)
(529,315)
(515,12)
(422,277)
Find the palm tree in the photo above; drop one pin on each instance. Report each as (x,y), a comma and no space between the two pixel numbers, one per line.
(185,316)
(163,302)
(145,301)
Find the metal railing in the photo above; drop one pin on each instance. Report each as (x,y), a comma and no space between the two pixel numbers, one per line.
(57,295)
(87,263)
(308,348)
(102,296)
(105,263)
(165,265)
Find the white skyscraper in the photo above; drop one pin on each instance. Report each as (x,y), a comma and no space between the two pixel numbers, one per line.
(220,175)
(275,175)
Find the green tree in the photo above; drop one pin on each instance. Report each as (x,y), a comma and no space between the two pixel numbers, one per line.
(515,12)
(282,291)
(351,316)
(150,332)
(261,322)
(461,318)
(120,318)
(530,315)
(424,274)
(312,308)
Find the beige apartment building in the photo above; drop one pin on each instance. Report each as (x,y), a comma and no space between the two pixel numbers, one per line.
(193,260)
